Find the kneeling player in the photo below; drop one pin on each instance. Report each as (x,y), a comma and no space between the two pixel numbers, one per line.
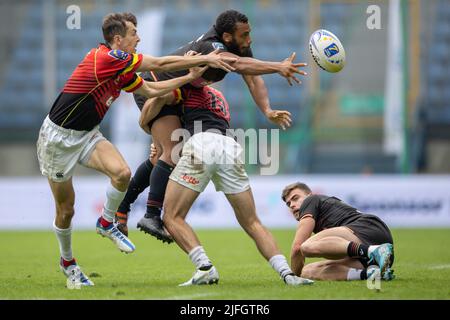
(350,240)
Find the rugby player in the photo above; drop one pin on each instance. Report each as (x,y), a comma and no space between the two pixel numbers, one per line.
(351,241)
(70,133)
(231,35)
(212,155)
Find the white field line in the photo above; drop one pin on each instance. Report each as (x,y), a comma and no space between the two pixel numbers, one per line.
(191,296)
(439,266)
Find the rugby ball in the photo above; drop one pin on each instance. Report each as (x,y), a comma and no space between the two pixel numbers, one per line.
(327,51)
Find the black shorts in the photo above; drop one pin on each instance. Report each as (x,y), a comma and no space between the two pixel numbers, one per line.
(371,230)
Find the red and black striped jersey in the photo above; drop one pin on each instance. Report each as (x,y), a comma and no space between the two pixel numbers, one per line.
(206,105)
(93,86)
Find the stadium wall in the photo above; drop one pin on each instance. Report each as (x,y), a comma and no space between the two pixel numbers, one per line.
(401,201)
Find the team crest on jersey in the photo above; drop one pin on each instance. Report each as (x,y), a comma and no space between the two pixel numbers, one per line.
(118,54)
(218,45)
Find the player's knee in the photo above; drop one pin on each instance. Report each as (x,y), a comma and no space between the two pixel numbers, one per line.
(65,211)
(310,271)
(315,270)
(309,249)
(123,176)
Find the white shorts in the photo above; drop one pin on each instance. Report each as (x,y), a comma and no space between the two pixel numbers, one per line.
(209,156)
(59,149)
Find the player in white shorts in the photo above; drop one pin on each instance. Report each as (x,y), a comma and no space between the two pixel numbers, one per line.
(70,134)
(211,155)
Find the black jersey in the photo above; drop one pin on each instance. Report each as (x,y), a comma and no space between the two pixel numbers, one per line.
(200,103)
(329,212)
(208,107)
(205,44)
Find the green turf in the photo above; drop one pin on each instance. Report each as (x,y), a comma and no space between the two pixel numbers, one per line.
(29,269)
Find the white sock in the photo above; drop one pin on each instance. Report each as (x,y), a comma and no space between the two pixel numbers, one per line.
(64,237)
(199,258)
(354,274)
(113,199)
(280,265)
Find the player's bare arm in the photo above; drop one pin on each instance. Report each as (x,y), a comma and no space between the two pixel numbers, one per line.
(153,106)
(160,88)
(260,95)
(173,63)
(251,66)
(304,230)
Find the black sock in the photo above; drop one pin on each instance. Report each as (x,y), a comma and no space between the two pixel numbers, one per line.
(355,250)
(138,183)
(205,267)
(363,274)
(158,183)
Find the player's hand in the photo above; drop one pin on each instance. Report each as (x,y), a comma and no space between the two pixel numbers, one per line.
(288,69)
(215,60)
(153,153)
(281,118)
(195,72)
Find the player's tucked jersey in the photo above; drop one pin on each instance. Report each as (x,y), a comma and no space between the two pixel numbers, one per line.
(329,212)
(93,86)
(205,44)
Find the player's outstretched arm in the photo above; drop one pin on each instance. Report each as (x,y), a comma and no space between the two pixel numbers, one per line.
(251,66)
(304,230)
(173,63)
(260,95)
(160,88)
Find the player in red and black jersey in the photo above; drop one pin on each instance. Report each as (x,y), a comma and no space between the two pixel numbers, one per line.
(231,36)
(70,133)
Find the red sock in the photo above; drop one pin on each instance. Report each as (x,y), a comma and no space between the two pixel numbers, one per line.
(66,263)
(104,222)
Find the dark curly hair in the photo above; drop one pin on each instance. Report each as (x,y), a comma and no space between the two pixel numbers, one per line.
(226,21)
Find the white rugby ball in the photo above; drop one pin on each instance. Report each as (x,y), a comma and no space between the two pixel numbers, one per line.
(327,51)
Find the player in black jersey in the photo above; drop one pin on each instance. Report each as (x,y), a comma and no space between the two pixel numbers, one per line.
(231,35)
(351,241)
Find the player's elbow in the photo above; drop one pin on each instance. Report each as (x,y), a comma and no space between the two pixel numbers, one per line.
(150,92)
(142,122)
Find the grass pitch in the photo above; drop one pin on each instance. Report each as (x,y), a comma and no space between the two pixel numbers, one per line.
(29,268)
